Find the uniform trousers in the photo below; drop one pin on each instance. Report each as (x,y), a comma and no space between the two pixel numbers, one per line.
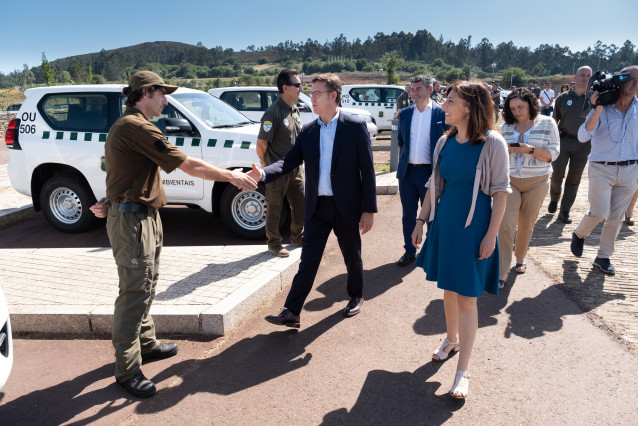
(521,212)
(136,239)
(326,218)
(610,191)
(575,153)
(290,186)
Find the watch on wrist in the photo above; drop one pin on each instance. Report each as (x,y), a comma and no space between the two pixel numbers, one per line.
(532,151)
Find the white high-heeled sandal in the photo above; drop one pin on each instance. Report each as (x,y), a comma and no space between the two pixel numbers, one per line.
(440,352)
(461,385)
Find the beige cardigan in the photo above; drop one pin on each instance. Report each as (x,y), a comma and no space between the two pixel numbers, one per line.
(492,172)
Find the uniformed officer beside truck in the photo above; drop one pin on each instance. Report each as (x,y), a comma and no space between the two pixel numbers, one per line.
(135,150)
(280,125)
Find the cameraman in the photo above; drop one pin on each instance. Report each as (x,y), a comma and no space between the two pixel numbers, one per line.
(613,168)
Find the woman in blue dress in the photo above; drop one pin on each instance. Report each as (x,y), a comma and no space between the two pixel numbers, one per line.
(465,201)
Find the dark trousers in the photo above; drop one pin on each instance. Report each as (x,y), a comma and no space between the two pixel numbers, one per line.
(412,191)
(317,228)
(547,111)
(575,153)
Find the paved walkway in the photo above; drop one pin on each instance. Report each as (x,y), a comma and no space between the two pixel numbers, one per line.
(612,299)
(208,289)
(202,290)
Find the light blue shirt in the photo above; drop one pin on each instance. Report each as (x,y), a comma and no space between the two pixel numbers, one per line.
(615,137)
(326,144)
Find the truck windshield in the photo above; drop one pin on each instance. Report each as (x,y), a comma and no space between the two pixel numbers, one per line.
(210,110)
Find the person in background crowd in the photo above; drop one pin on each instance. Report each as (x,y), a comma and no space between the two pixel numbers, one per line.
(564,88)
(613,168)
(568,113)
(420,127)
(496,98)
(436,95)
(536,90)
(547,97)
(460,253)
(404,100)
(512,88)
(533,143)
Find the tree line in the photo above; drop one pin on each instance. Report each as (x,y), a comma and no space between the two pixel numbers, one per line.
(412,53)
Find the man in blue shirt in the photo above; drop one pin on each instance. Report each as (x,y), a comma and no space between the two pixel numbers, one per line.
(613,168)
(340,194)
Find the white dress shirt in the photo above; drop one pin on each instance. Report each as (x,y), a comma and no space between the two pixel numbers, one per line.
(420,136)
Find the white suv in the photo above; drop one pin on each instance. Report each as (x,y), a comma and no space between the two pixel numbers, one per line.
(253,101)
(56,148)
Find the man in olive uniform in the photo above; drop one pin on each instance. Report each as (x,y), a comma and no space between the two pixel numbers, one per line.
(135,150)
(280,125)
(404,100)
(568,113)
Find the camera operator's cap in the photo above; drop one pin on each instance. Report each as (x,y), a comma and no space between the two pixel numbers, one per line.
(148,78)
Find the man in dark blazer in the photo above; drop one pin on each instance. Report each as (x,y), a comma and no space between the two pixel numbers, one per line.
(340,194)
(420,127)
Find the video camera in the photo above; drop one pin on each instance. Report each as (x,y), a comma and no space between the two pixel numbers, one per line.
(607,85)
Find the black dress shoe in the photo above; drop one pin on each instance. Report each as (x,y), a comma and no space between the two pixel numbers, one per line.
(353,307)
(552,206)
(139,386)
(577,245)
(285,318)
(162,351)
(564,216)
(406,259)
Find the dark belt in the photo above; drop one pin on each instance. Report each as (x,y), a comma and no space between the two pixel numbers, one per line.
(130,207)
(617,163)
(419,165)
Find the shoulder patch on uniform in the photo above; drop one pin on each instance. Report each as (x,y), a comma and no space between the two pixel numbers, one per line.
(160,144)
(267,126)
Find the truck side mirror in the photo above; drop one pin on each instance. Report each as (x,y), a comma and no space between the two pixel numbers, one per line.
(178,127)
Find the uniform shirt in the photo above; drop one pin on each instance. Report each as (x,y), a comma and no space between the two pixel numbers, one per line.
(326,144)
(135,150)
(280,125)
(403,101)
(568,112)
(420,136)
(615,138)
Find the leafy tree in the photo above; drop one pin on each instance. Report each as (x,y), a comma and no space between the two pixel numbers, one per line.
(514,76)
(26,78)
(217,82)
(391,61)
(262,60)
(539,69)
(77,71)
(89,74)
(48,73)
(65,77)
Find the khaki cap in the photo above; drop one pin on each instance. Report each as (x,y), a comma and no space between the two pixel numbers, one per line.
(148,78)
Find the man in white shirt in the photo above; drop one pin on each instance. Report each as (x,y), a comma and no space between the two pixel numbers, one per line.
(547,99)
(420,127)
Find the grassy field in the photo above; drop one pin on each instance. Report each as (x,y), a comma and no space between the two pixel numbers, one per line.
(10,97)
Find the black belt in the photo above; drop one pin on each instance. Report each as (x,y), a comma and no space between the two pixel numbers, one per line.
(131,207)
(617,163)
(419,165)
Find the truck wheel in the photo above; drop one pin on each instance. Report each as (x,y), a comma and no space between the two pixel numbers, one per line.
(65,204)
(244,212)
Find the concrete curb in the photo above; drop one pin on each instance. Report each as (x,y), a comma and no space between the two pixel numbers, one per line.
(10,217)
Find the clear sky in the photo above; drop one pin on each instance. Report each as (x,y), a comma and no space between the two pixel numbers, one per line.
(73,27)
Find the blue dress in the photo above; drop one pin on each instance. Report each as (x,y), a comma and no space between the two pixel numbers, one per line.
(450,251)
